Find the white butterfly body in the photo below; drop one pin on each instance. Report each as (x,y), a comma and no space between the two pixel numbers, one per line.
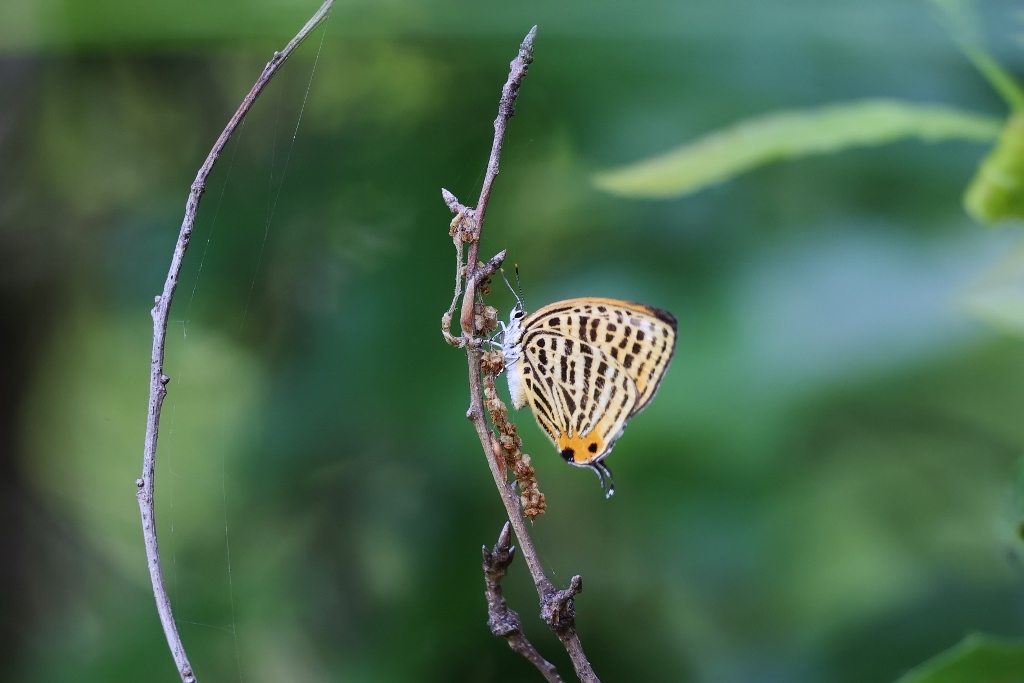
(511,341)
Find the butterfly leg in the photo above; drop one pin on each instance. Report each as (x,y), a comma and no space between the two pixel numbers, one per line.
(605,475)
(498,337)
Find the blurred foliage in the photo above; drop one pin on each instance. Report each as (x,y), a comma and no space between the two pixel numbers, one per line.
(997,296)
(977,658)
(997,191)
(781,136)
(824,489)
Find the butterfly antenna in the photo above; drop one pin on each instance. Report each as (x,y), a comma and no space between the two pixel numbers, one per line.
(519,298)
(520,285)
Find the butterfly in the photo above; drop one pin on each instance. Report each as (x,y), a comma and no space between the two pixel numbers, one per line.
(585,367)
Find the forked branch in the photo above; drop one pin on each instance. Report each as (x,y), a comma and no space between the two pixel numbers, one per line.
(556,605)
(502,621)
(158,380)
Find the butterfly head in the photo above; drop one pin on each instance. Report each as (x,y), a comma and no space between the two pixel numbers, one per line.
(513,331)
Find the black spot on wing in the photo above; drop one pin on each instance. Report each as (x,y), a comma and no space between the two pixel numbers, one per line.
(651,375)
(570,403)
(626,334)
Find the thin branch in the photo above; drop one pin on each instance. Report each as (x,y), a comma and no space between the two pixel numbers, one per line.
(158,380)
(556,606)
(502,621)
(506,110)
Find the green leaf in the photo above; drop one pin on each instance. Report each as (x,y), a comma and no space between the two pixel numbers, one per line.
(997,189)
(976,659)
(749,144)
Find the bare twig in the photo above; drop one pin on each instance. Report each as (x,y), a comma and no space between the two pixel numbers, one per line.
(158,380)
(556,606)
(502,621)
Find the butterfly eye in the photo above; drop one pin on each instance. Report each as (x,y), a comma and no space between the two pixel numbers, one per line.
(518,315)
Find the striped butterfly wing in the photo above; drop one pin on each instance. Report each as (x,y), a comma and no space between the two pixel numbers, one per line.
(580,397)
(593,364)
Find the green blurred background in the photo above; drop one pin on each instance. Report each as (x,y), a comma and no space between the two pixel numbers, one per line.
(824,490)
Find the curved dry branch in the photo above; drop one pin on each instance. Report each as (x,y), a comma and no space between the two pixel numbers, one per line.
(158,380)
(556,606)
(503,621)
